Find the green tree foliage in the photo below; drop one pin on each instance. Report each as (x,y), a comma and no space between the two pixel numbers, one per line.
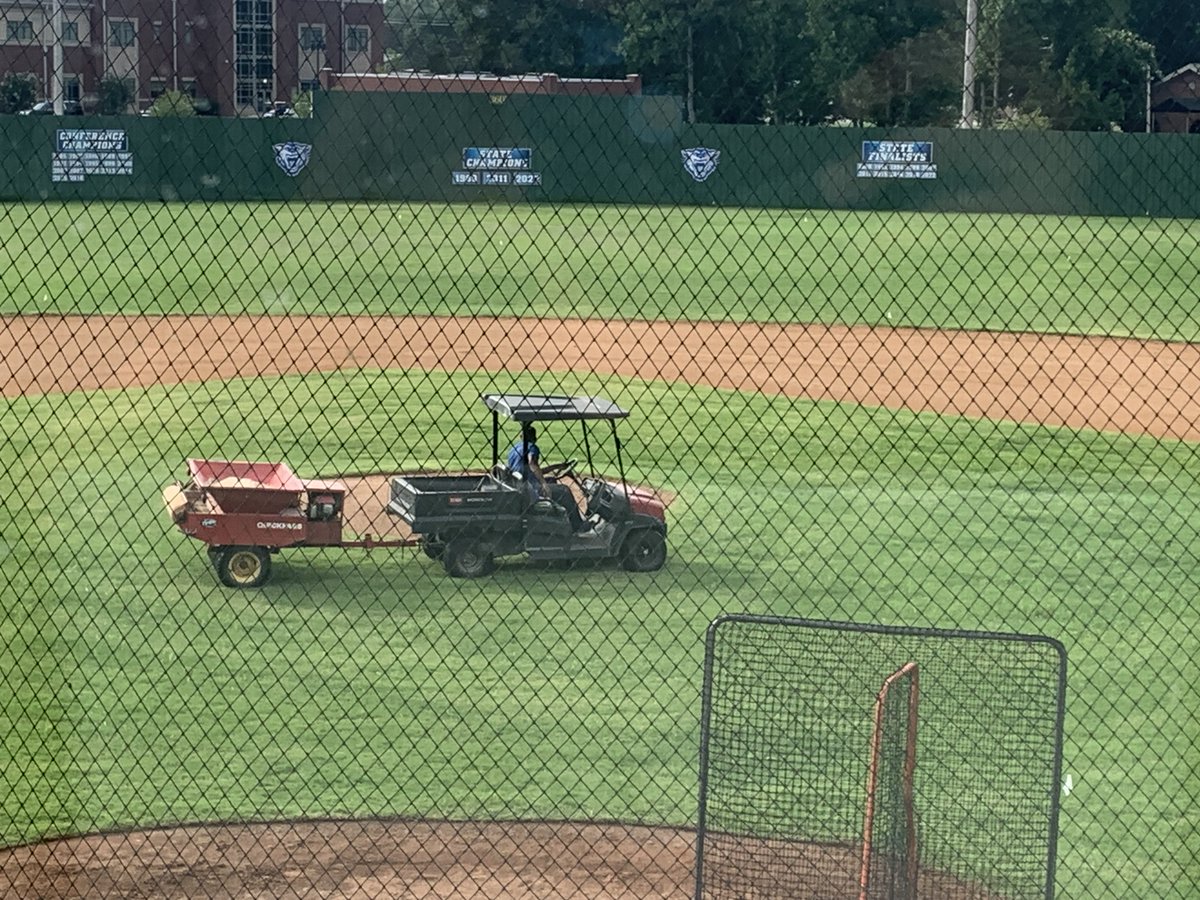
(576,38)
(1101,84)
(1078,64)
(517,36)
(891,63)
(780,69)
(1113,65)
(302,104)
(173,105)
(115,96)
(423,37)
(1171,26)
(17,92)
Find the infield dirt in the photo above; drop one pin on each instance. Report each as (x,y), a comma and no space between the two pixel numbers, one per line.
(1109,384)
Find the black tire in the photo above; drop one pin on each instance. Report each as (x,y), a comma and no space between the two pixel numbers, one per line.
(432,547)
(468,557)
(242,567)
(644,551)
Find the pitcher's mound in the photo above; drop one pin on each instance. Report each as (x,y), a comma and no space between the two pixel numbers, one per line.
(359,859)
(428,860)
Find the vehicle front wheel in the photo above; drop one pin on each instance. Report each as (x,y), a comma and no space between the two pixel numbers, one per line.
(467,557)
(644,551)
(242,567)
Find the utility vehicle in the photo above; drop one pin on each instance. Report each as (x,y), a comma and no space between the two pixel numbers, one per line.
(469,521)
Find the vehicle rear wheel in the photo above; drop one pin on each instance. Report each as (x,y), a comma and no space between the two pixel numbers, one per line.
(242,567)
(644,551)
(467,557)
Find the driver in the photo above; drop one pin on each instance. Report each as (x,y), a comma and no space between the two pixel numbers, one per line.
(525,458)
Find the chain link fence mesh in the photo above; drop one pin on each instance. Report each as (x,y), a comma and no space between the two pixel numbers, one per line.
(965,400)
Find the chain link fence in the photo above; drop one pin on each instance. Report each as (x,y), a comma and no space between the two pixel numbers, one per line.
(910,377)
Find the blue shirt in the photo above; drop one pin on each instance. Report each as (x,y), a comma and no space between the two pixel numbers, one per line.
(520,463)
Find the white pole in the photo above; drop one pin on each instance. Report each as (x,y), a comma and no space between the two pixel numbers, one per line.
(175,45)
(1148,128)
(691,78)
(969,48)
(56,81)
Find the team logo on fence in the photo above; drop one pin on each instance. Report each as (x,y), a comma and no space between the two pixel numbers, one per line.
(700,162)
(292,156)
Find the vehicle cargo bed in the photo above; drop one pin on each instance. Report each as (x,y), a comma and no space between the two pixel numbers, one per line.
(431,503)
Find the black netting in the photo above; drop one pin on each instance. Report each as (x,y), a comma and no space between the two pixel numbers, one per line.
(789,737)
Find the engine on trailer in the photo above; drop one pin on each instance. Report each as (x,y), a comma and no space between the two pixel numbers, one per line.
(323,507)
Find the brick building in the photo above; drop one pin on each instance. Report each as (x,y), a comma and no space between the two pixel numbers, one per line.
(1175,101)
(233,56)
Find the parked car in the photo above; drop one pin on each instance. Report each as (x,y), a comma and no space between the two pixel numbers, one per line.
(46,108)
(280,111)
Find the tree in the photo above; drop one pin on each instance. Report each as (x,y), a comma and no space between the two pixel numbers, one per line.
(423,36)
(1101,84)
(890,62)
(710,53)
(302,104)
(115,96)
(17,92)
(1077,63)
(780,67)
(173,105)
(518,36)
(1171,26)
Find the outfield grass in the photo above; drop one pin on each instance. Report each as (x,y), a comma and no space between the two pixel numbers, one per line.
(1121,277)
(359,684)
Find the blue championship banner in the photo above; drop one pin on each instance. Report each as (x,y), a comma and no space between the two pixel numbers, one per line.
(496,166)
(897,159)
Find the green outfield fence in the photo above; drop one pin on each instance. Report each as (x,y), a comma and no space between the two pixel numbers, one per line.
(913,381)
(405,147)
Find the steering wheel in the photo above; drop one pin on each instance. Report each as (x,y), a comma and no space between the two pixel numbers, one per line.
(566,467)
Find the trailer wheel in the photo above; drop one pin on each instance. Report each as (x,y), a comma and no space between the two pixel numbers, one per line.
(466,557)
(242,567)
(644,551)
(432,547)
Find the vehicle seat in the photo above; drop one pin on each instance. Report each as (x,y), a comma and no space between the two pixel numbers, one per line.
(504,474)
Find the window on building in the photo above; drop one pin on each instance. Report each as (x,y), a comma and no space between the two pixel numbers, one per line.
(188,86)
(253,53)
(70,33)
(189,33)
(357,39)
(120,33)
(312,37)
(19,31)
(309,87)
(72,88)
(158,87)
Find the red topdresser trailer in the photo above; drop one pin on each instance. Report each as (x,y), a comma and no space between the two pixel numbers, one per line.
(246,511)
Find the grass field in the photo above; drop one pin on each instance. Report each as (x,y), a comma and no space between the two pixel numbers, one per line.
(359,683)
(1121,277)
(363,683)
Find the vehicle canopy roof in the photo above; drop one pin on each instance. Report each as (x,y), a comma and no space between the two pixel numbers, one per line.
(546,408)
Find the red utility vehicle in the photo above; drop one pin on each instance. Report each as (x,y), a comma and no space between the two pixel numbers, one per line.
(246,511)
